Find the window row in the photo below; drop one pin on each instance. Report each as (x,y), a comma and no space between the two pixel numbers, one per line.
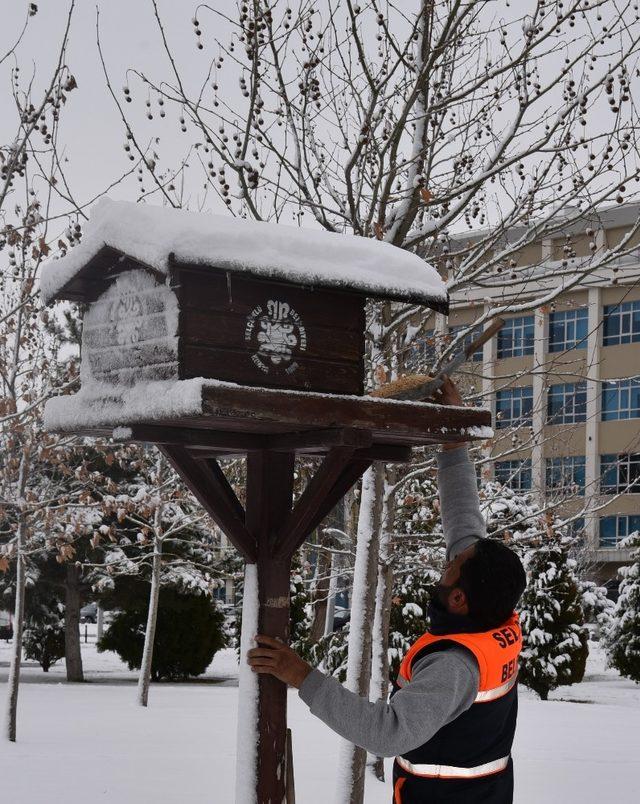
(619,474)
(568,329)
(613,529)
(567,403)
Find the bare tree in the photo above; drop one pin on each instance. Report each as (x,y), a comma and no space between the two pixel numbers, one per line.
(465,135)
(154,596)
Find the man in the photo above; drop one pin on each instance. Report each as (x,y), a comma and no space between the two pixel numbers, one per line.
(451,718)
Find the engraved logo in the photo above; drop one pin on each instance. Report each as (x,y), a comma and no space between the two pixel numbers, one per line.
(277,334)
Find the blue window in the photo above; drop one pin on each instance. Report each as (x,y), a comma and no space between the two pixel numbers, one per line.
(620,400)
(620,473)
(514,406)
(615,528)
(568,330)
(515,339)
(621,323)
(565,475)
(567,403)
(514,474)
(470,336)
(421,353)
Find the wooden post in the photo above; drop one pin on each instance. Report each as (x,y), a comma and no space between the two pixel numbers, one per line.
(269,498)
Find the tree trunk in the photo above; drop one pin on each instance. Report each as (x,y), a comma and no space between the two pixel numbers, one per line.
(99,623)
(330,608)
(73,656)
(320,594)
(352,759)
(152,617)
(384,590)
(18,627)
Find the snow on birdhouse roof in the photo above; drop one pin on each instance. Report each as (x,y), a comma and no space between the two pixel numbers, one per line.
(152,234)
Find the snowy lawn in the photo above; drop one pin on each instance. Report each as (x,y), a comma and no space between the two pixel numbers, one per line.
(80,743)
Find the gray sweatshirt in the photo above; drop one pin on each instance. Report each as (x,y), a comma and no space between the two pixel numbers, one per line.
(444,684)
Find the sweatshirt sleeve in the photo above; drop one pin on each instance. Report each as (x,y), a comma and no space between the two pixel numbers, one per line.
(462,520)
(443,686)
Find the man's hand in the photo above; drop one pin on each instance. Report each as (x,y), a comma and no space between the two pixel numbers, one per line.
(279,660)
(448,394)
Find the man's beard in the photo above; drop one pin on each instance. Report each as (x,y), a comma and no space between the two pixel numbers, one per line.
(440,593)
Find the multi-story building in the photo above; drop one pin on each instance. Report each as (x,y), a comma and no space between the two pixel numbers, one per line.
(563,379)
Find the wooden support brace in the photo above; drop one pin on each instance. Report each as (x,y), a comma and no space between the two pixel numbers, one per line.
(348,477)
(218,441)
(211,443)
(226,488)
(212,490)
(389,453)
(293,531)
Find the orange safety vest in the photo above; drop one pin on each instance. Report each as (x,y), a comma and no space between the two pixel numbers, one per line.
(475,748)
(496,652)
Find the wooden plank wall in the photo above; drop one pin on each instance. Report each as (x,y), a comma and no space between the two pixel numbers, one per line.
(222,313)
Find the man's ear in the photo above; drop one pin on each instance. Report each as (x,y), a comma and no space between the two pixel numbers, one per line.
(458,601)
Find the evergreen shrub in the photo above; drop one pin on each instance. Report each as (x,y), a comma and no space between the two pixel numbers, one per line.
(189,632)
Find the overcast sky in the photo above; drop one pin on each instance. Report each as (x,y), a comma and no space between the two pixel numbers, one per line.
(92,132)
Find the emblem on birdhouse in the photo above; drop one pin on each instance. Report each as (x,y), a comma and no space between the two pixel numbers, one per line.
(277,334)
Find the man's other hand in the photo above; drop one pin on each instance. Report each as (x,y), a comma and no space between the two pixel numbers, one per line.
(277,659)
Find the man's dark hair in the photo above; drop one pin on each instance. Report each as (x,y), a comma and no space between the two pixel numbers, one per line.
(493,579)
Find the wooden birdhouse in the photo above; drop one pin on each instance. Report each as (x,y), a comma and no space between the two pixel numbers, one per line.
(214,336)
(177,295)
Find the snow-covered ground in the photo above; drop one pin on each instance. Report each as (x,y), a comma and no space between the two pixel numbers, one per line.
(80,743)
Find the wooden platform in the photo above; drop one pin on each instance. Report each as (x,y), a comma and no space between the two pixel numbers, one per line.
(238,419)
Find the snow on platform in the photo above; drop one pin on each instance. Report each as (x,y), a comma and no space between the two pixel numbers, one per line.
(90,742)
(150,234)
(99,405)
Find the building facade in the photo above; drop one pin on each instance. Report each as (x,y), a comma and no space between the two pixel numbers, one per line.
(563,379)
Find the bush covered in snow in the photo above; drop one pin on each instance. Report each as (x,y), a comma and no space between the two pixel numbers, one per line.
(597,607)
(554,635)
(415,576)
(623,637)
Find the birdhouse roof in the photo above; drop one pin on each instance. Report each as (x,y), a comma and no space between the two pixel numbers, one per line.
(154,236)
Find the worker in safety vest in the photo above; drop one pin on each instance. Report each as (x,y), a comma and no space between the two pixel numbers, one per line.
(451,718)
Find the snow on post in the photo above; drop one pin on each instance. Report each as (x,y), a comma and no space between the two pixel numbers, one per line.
(247,735)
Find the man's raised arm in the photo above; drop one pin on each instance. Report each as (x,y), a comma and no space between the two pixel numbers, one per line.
(462,521)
